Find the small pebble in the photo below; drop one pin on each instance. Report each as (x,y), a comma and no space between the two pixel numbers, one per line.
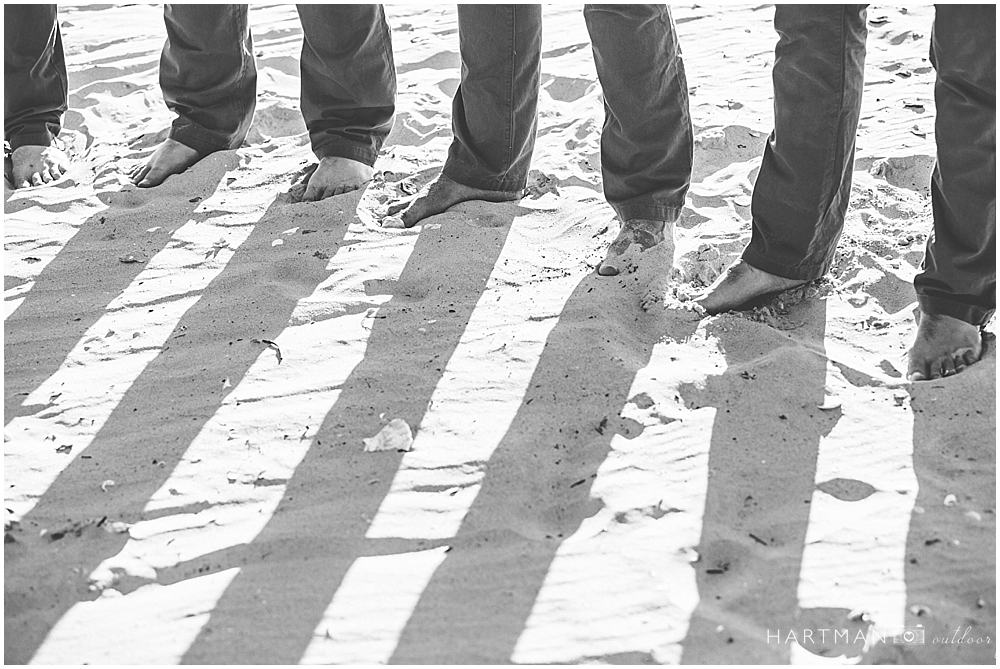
(720,629)
(859,614)
(918,509)
(974,515)
(980,603)
(920,610)
(107,484)
(950,500)
(393,222)
(277,242)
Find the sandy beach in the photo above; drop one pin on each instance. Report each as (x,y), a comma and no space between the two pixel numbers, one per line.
(190,372)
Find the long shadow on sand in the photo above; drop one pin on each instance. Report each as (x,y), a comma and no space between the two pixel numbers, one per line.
(150,429)
(291,570)
(65,302)
(951,548)
(537,486)
(762,466)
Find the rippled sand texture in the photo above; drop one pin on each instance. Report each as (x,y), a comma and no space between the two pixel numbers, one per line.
(190,372)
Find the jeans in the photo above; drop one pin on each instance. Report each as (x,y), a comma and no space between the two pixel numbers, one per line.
(208,77)
(959,274)
(35,84)
(803,188)
(646,144)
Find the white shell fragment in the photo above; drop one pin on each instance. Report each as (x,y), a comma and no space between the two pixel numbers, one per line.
(396,436)
(829,404)
(107,484)
(393,222)
(950,500)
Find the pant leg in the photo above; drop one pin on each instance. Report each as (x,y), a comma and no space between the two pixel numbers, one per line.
(494,113)
(35,84)
(804,185)
(348,80)
(958,277)
(646,144)
(208,75)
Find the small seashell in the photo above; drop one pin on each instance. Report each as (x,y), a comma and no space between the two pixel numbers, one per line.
(829,404)
(974,515)
(393,222)
(859,614)
(396,436)
(107,484)
(950,500)
(116,527)
(277,242)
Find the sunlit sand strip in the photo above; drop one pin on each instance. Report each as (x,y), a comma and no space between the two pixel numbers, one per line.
(35,235)
(233,475)
(228,483)
(451,444)
(116,349)
(623,584)
(855,551)
(371,608)
(154,625)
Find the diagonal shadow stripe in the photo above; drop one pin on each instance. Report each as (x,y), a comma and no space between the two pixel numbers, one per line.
(253,296)
(537,485)
(64,303)
(297,562)
(762,467)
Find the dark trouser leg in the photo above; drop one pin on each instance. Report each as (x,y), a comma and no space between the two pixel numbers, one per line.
(348,80)
(494,112)
(208,75)
(804,185)
(959,272)
(646,144)
(34,85)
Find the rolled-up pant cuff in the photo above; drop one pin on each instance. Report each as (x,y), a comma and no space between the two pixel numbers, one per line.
(939,306)
(797,272)
(507,184)
(32,139)
(194,137)
(649,212)
(362,154)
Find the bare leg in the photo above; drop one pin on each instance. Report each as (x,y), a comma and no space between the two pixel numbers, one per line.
(171,157)
(37,165)
(944,346)
(438,196)
(335,175)
(740,286)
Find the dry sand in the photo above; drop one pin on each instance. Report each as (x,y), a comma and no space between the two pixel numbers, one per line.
(185,477)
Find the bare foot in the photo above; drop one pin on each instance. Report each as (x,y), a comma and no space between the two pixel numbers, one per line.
(334,176)
(645,248)
(440,195)
(635,238)
(37,165)
(171,157)
(741,286)
(944,346)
